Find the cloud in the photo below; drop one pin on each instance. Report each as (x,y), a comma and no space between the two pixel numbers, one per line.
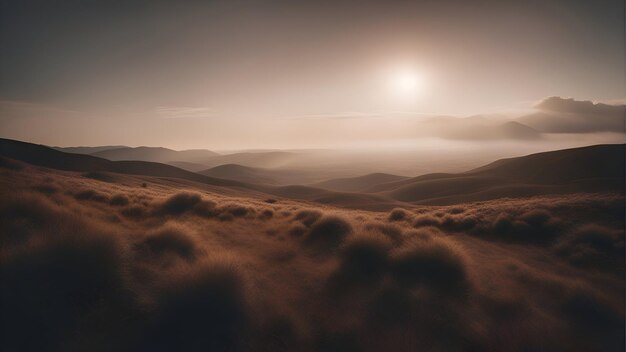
(560,115)
(551,115)
(558,104)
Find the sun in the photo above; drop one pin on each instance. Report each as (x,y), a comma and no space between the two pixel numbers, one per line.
(405,82)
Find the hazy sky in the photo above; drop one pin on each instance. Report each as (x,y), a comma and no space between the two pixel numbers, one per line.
(236,74)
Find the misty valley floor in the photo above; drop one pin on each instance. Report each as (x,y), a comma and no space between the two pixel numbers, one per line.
(110,262)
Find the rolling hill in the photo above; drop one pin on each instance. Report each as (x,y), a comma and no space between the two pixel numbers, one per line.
(597,168)
(259,175)
(598,161)
(88,150)
(271,159)
(44,156)
(364,201)
(193,159)
(185,165)
(47,157)
(156,154)
(240,173)
(358,184)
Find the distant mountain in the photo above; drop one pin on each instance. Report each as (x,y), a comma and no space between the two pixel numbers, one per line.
(561,166)
(240,173)
(157,154)
(272,159)
(258,175)
(559,115)
(193,167)
(88,150)
(358,184)
(44,156)
(476,131)
(197,159)
(586,169)
(599,168)
(516,130)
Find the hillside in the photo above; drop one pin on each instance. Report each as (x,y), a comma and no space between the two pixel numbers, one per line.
(178,265)
(193,167)
(88,150)
(265,176)
(44,156)
(597,168)
(358,184)
(156,154)
(598,161)
(588,169)
(40,155)
(271,159)
(192,159)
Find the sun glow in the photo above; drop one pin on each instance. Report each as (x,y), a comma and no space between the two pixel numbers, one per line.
(406,82)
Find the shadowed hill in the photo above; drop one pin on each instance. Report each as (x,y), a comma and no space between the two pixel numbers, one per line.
(258,175)
(40,155)
(88,150)
(241,173)
(358,184)
(156,154)
(599,161)
(381,187)
(363,201)
(587,169)
(194,167)
(44,156)
(203,157)
(270,159)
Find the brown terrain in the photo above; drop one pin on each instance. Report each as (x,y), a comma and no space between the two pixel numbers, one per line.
(523,254)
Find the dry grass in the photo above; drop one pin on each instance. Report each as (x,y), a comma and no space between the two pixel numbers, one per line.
(431,262)
(327,234)
(93,265)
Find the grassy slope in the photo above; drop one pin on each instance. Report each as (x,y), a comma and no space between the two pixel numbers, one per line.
(519,290)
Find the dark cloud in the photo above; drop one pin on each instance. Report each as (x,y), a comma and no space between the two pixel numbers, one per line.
(559,115)
(552,115)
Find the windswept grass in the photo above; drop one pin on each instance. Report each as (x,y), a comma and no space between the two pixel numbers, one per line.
(87,265)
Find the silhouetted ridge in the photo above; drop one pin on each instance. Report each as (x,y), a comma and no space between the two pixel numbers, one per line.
(597,168)
(44,156)
(598,161)
(88,150)
(156,154)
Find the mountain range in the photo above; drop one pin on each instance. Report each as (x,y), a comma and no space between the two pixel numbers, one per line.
(598,168)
